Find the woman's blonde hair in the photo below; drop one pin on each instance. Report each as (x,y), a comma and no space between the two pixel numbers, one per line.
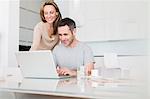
(59,17)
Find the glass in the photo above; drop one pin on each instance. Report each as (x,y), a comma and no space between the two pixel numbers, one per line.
(80,72)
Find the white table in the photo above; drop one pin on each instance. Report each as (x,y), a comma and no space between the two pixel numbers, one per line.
(71,87)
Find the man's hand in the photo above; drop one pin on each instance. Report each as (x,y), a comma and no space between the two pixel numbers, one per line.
(66,71)
(88,69)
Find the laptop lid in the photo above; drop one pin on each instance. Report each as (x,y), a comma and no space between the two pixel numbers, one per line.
(37,64)
(39,84)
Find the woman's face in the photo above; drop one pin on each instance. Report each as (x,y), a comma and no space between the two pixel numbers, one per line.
(50,13)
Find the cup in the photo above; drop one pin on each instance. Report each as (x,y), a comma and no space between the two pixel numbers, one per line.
(95,73)
(80,72)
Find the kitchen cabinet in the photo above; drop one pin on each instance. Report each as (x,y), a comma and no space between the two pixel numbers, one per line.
(29,17)
(99,20)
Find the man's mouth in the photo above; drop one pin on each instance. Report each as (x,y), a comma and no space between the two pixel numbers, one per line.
(64,42)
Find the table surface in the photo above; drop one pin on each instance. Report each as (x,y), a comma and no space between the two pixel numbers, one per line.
(72,87)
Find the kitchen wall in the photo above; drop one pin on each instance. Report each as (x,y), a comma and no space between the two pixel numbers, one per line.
(125,49)
(131,52)
(148,77)
(29,17)
(11,36)
(127,27)
(9,32)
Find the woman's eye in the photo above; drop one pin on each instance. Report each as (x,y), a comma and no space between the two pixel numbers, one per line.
(51,12)
(46,13)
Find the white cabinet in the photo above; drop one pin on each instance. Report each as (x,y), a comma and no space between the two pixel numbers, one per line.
(109,20)
(125,20)
(29,17)
(97,20)
(64,6)
(9,33)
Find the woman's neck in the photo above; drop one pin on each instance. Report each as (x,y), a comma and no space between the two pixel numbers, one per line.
(49,25)
(49,29)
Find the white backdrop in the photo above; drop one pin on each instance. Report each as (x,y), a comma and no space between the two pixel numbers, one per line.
(9,32)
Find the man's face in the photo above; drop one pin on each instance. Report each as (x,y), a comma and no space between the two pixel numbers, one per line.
(65,35)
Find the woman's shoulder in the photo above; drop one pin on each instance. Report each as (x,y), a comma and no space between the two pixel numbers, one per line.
(39,25)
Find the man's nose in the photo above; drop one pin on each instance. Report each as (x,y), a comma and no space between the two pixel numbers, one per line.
(63,37)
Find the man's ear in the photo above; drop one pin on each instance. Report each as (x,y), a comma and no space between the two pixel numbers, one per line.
(74,31)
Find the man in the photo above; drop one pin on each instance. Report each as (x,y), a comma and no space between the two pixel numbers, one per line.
(71,53)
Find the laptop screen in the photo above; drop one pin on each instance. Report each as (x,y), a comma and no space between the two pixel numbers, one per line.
(37,64)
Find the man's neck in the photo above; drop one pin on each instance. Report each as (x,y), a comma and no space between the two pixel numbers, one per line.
(74,43)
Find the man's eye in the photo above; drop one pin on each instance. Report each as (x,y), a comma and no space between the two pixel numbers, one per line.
(65,34)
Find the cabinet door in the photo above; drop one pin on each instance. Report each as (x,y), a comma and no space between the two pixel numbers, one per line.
(92,26)
(29,17)
(110,20)
(125,20)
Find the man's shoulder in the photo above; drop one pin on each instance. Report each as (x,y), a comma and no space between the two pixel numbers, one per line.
(84,45)
(57,47)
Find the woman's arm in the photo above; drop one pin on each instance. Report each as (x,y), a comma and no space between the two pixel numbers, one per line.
(36,37)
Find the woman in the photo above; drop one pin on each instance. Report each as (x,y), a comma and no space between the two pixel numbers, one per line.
(45,36)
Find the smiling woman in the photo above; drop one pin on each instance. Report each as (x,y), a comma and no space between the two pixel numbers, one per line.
(45,36)
(38,19)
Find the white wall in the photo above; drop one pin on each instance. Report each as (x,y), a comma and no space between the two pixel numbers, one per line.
(149,49)
(9,32)
(3,35)
(9,37)
(13,32)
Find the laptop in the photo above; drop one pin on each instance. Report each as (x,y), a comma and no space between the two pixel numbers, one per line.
(37,64)
(39,84)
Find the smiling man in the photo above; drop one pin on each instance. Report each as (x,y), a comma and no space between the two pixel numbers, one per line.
(71,53)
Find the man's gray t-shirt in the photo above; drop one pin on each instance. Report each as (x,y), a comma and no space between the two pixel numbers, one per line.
(72,58)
